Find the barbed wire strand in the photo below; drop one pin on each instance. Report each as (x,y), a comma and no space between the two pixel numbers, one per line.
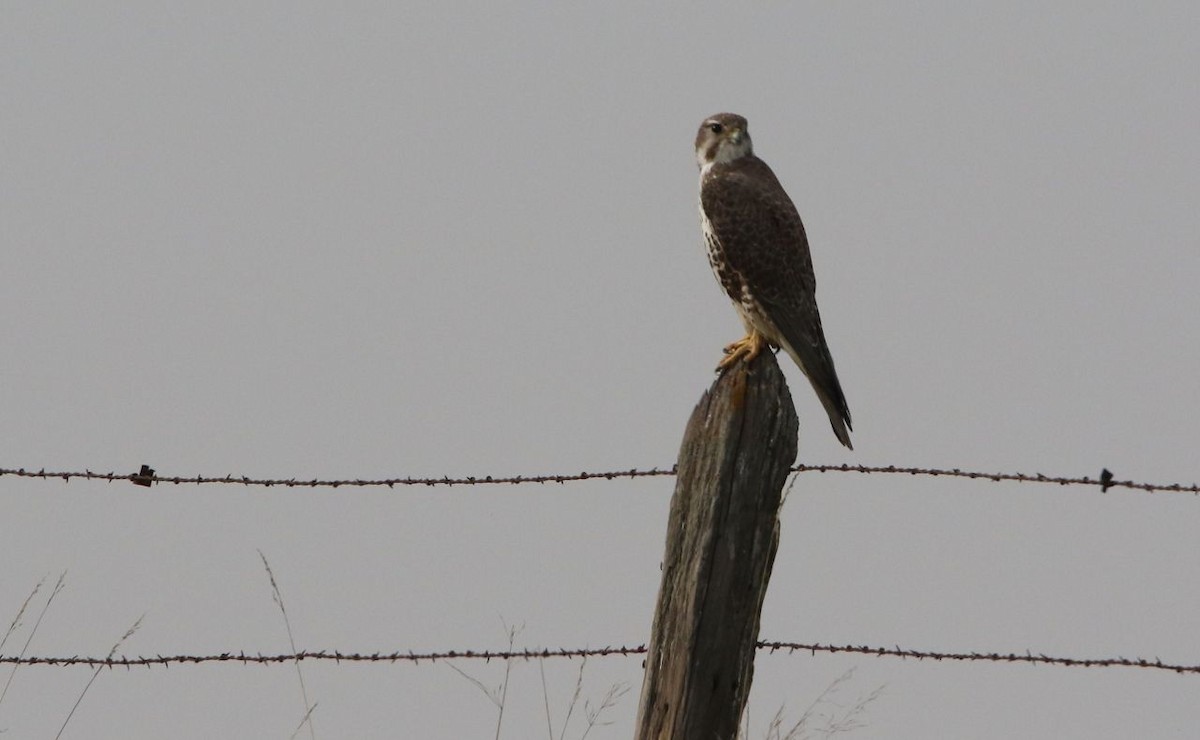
(538,653)
(1104,481)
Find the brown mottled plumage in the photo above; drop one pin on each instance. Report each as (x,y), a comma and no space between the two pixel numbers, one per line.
(759,252)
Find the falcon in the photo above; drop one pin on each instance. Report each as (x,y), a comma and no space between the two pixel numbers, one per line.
(759,252)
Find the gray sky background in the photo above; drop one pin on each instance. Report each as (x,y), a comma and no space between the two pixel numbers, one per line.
(378,240)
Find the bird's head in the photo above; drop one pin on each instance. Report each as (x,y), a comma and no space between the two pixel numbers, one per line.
(722,138)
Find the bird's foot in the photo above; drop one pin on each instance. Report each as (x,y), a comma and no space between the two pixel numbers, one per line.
(746,348)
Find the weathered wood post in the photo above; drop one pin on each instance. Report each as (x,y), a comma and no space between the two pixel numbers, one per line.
(722,535)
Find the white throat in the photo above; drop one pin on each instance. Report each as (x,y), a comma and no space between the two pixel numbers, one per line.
(726,153)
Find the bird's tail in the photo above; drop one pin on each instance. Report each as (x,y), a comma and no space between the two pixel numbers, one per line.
(839,415)
(824,380)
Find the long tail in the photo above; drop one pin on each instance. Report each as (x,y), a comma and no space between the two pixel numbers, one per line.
(839,418)
(820,373)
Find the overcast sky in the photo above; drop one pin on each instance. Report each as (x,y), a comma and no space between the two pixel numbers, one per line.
(377,240)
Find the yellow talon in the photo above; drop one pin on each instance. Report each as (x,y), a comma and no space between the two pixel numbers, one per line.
(746,348)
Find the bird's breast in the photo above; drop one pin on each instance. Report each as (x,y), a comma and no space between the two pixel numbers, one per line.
(724,272)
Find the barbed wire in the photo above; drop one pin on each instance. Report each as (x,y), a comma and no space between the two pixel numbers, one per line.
(1026,657)
(148,477)
(151,478)
(540,653)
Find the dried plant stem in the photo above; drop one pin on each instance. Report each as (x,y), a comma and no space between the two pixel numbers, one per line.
(58,586)
(498,696)
(574,698)
(277,595)
(546,699)
(609,700)
(95,674)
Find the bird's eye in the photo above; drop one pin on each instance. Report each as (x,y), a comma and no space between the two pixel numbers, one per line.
(716,128)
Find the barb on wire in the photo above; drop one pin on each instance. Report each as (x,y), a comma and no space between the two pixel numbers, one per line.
(1103,482)
(538,653)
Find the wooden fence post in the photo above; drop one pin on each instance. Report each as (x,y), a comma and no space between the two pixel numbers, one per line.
(722,535)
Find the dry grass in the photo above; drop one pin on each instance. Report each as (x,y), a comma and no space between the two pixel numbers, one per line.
(277,595)
(16,624)
(95,674)
(592,715)
(824,717)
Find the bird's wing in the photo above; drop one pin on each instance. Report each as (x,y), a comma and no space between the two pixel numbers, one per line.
(763,240)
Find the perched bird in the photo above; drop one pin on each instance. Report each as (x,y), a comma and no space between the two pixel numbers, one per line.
(759,253)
